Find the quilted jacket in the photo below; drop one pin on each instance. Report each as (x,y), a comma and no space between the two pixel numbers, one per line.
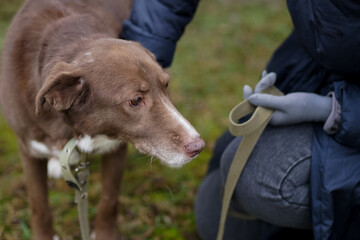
(322,54)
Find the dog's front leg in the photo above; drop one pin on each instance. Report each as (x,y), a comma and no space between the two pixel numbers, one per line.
(36,185)
(112,170)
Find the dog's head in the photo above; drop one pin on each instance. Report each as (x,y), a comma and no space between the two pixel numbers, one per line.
(117,89)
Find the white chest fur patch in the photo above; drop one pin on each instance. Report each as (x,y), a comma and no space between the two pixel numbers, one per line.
(40,150)
(99,144)
(54,168)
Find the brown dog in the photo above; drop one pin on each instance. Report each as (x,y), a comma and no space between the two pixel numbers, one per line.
(66,75)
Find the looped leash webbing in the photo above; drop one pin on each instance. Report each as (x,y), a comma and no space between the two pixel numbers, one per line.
(251,131)
(78,180)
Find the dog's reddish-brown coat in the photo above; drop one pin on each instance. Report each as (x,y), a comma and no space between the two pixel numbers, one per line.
(64,74)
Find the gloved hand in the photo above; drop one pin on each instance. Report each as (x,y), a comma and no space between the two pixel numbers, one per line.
(295,107)
(289,109)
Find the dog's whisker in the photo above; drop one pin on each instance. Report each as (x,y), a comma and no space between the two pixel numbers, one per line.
(142,157)
(151,160)
(172,195)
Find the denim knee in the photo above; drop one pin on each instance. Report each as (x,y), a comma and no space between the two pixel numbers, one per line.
(274,185)
(295,186)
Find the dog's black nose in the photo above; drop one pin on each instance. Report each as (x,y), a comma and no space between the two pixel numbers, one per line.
(194,146)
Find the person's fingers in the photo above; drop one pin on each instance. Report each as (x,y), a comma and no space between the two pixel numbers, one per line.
(267,100)
(263,74)
(265,82)
(247,91)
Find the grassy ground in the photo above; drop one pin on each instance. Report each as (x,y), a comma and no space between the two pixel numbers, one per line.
(226,46)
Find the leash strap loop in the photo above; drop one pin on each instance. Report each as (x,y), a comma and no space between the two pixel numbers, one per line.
(251,131)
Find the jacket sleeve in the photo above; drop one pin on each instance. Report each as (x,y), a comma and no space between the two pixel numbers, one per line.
(158,25)
(330,32)
(348,96)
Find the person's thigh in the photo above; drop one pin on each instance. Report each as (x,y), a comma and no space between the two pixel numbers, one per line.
(274,185)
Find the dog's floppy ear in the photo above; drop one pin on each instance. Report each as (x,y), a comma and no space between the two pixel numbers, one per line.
(62,87)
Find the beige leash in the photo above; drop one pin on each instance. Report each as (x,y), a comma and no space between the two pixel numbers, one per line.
(251,131)
(78,178)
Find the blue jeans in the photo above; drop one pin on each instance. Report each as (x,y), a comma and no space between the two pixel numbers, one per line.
(274,185)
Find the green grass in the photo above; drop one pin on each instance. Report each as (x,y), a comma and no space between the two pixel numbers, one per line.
(226,46)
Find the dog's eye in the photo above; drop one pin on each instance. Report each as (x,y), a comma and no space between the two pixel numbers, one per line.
(135,102)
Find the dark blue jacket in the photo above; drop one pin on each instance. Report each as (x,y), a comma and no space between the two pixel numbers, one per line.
(321,55)
(158,25)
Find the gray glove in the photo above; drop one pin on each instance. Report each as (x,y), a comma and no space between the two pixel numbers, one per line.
(292,108)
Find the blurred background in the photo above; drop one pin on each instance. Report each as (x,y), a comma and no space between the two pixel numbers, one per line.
(227,45)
